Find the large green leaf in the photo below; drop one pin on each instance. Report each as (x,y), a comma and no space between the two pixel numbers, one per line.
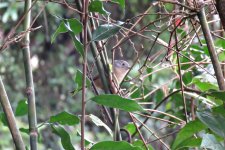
(98,122)
(97,6)
(64,136)
(65,118)
(116,101)
(74,27)
(114,145)
(186,133)
(105,31)
(214,121)
(209,141)
(22,108)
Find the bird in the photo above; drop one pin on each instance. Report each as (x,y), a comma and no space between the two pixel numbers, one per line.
(119,68)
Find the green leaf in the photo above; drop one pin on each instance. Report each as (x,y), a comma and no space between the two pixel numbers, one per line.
(120,2)
(61,29)
(97,6)
(190,143)
(218,94)
(149,70)
(22,108)
(64,118)
(114,145)
(3,119)
(78,45)
(139,143)
(187,77)
(221,56)
(209,141)
(204,86)
(214,121)
(186,133)
(78,80)
(130,127)
(73,25)
(98,122)
(64,135)
(24,130)
(115,101)
(105,31)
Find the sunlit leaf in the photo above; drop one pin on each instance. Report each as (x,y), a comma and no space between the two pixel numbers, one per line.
(115,101)
(65,118)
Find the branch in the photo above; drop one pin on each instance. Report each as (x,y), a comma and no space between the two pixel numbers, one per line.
(18,141)
(29,79)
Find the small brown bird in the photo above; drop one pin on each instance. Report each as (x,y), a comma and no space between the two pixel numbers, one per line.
(120,69)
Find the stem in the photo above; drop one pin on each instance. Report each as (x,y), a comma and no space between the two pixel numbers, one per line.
(85,24)
(18,141)
(211,48)
(29,79)
(181,80)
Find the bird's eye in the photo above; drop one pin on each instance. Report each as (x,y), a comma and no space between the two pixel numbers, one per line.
(123,64)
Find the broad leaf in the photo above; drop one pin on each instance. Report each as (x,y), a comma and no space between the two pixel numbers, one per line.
(130,127)
(98,122)
(214,121)
(64,136)
(77,44)
(64,118)
(22,108)
(61,29)
(115,101)
(190,143)
(186,133)
(114,145)
(105,31)
(218,94)
(209,141)
(97,6)
(73,25)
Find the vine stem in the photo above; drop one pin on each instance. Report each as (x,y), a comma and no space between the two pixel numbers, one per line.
(17,138)
(211,49)
(29,79)
(84,35)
